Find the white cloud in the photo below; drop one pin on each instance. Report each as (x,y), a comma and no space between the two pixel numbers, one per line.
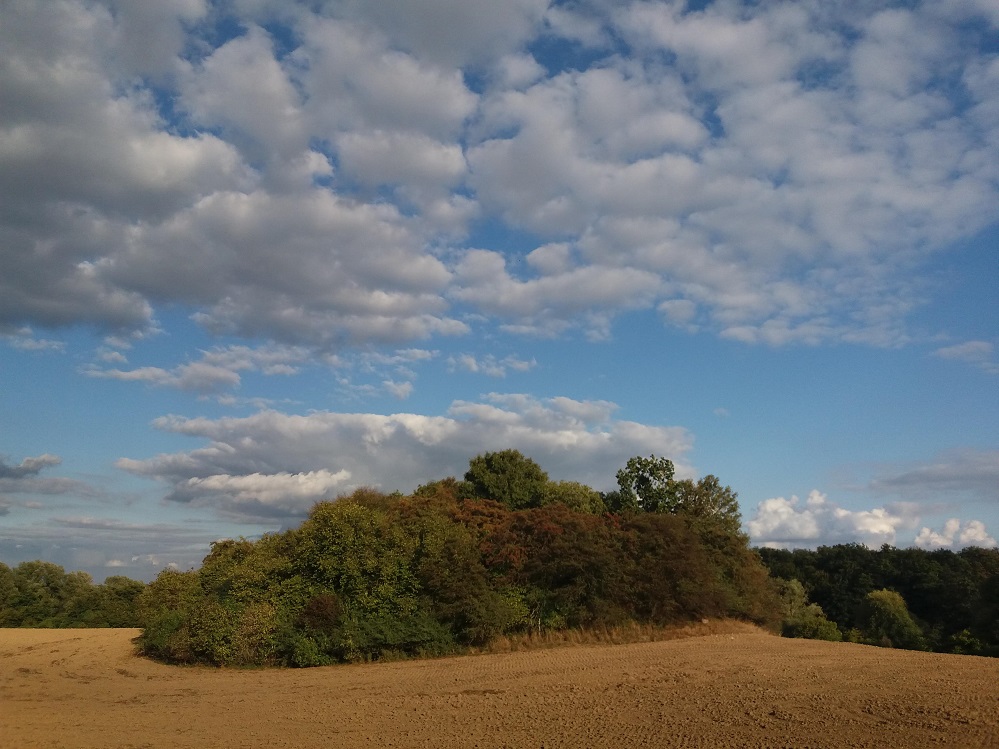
(400,390)
(780,522)
(326,287)
(799,171)
(517,71)
(489,364)
(550,303)
(772,173)
(28,466)
(104,546)
(274,464)
(150,34)
(198,376)
(453,32)
(956,533)
(217,370)
(24,339)
(378,157)
(786,522)
(242,88)
(292,493)
(356,81)
(978,353)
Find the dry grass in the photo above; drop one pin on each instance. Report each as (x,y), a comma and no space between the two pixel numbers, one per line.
(621,635)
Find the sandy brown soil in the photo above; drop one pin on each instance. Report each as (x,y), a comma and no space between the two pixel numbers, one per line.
(86,688)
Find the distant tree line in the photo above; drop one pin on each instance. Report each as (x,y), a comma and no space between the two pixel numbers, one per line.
(461,562)
(42,594)
(941,600)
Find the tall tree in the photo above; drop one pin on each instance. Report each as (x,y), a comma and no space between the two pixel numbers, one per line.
(708,504)
(647,484)
(508,477)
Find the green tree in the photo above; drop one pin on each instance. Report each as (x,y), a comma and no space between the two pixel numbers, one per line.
(885,620)
(647,484)
(987,624)
(708,504)
(572,494)
(448,489)
(508,477)
(165,610)
(802,619)
(38,595)
(117,601)
(7,588)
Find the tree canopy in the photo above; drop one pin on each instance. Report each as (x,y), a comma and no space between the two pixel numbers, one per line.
(456,564)
(43,594)
(950,596)
(507,477)
(647,484)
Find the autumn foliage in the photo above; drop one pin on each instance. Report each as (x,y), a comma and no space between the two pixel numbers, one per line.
(371,576)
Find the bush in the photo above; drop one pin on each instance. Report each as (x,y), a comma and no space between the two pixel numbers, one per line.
(166,638)
(802,619)
(811,624)
(885,621)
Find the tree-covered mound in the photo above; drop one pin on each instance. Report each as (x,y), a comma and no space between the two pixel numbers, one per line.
(459,563)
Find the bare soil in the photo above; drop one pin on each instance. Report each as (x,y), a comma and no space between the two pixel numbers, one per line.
(743,688)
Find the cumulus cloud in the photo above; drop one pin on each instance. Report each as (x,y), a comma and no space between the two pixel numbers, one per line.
(285,491)
(548,304)
(28,466)
(756,158)
(789,522)
(310,174)
(272,465)
(956,533)
(453,32)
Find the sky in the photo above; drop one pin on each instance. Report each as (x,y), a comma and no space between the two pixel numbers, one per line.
(255,254)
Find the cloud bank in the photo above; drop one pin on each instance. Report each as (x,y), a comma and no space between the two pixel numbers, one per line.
(275,466)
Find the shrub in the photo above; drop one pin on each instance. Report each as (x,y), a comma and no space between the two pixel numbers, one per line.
(885,621)
(811,624)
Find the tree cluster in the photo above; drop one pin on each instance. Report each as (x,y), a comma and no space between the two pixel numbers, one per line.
(455,565)
(909,598)
(42,594)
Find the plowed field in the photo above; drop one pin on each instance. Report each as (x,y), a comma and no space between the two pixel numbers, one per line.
(86,688)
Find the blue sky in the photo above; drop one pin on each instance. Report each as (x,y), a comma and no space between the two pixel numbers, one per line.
(255,254)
